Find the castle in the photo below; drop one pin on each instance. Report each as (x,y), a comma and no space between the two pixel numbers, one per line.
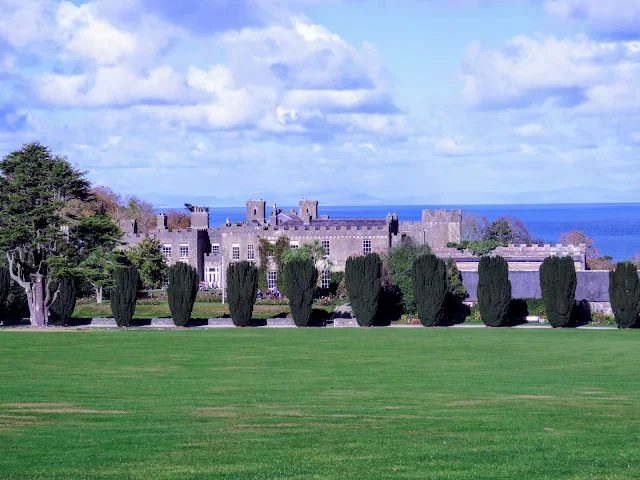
(211,250)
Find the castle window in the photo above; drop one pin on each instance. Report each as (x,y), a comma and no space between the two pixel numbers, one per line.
(235,252)
(272,280)
(325,246)
(250,252)
(325,282)
(166,251)
(366,246)
(184,250)
(293,244)
(215,249)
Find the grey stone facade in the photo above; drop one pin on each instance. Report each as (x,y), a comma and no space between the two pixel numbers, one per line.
(211,250)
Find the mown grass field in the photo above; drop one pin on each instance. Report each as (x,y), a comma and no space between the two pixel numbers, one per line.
(200,310)
(320,404)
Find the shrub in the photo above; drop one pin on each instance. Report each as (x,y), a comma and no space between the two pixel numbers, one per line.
(242,287)
(535,306)
(398,262)
(494,290)
(272,301)
(429,276)
(182,290)
(123,296)
(624,294)
(455,310)
(149,301)
(301,278)
(335,279)
(363,282)
(558,287)
(61,310)
(478,247)
(5,285)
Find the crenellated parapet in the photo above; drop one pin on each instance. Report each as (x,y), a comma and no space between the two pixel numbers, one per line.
(519,257)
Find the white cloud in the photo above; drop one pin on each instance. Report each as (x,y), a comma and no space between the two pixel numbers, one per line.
(546,70)
(112,87)
(615,18)
(454,147)
(530,130)
(80,32)
(23,22)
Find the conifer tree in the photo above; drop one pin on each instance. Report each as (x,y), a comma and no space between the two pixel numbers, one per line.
(624,294)
(62,309)
(429,275)
(301,278)
(494,290)
(558,286)
(242,287)
(183,287)
(363,280)
(123,296)
(5,285)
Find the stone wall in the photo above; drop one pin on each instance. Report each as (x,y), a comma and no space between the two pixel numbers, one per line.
(519,257)
(592,285)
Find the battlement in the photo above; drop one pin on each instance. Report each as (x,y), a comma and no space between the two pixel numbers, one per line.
(441,215)
(523,257)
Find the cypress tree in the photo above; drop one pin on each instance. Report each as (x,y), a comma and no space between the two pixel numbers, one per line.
(5,285)
(182,290)
(363,280)
(429,276)
(242,287)
(300,278)
(624,294)
(558,287)
(494,290)
(62,309)
(123,296)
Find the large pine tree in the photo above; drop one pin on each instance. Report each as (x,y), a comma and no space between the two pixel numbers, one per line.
(39,192)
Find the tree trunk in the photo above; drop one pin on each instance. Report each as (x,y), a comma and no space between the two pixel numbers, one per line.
(35,299)
(99,294)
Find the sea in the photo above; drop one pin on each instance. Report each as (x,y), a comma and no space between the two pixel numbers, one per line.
(614,227)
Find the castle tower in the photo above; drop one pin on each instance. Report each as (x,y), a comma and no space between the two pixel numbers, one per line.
(441,227)
(256,210)
(308,210)
(200,218)
(161,222)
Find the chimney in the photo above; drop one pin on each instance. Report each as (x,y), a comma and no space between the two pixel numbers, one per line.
(200,218)
(161,222)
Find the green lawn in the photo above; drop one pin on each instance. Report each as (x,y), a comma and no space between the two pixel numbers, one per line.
(200,310)
(320,404)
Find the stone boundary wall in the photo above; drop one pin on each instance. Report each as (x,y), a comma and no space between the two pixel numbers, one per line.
(519,257)
(593,285)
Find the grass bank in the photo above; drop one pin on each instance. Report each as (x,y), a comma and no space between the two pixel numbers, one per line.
(320,403)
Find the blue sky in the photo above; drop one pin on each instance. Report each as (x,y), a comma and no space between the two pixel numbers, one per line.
(346,101)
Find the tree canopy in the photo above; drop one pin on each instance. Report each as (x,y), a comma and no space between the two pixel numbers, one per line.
(147,257)
(40,194)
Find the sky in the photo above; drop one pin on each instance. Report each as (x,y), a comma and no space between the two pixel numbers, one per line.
(345,101)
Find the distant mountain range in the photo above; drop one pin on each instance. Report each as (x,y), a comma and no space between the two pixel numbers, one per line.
(452,197)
